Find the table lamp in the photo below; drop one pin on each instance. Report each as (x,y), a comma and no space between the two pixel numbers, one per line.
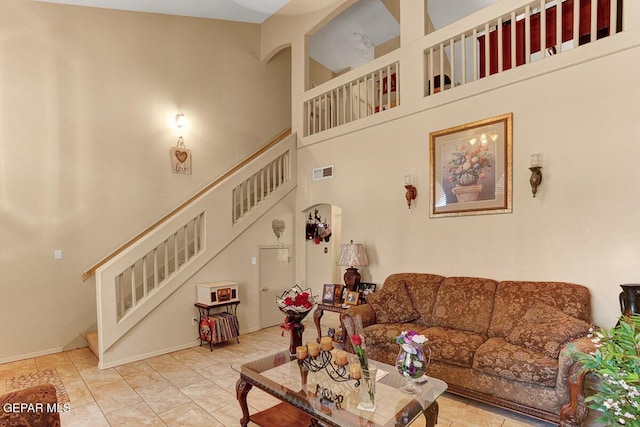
(352,255)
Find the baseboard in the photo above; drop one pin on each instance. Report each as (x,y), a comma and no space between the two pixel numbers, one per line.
(30,355)
(103,365)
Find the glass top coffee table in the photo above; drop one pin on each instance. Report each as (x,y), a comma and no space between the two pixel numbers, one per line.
(305,394)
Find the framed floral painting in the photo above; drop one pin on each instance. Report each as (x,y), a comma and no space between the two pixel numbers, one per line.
(470,169)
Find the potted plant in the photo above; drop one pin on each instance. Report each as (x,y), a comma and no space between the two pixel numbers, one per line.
(616,364)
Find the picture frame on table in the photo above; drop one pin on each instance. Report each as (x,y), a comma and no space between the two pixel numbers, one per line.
(353,297)
(337,293)
(365,289)
(328,295)
(471,168)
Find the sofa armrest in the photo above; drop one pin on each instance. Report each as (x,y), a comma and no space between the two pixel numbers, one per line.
(367,316)
(570,384)
(42,416)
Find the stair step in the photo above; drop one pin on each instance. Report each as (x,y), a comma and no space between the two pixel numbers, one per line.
(92,339)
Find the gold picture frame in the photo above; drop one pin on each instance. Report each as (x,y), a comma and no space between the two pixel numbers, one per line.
(471,168)
(353,298)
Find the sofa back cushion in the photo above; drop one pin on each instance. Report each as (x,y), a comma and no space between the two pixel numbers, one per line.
(392,304)
(514,298)
(546,329)
(465,303)
(422,289)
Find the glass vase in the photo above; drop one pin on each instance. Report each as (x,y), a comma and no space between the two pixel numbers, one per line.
(368,388)
(412,363)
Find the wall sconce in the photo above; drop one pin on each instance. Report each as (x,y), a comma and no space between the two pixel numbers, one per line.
(536,173)
(411,192)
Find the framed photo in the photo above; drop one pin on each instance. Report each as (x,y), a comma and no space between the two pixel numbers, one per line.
(337,293)
(352,298)
(365,289)
(328,296)
(470,168)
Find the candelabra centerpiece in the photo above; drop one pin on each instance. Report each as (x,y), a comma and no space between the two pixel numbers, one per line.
(316,357)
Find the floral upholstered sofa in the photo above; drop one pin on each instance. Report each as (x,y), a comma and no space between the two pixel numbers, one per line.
(503,343)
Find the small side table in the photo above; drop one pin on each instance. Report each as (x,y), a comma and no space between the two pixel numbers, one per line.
(317,315)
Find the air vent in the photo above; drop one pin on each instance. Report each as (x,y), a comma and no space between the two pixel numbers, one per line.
(323,173)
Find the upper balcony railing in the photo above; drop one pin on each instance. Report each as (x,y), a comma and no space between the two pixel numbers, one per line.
(359,98)
(499,38)
(535,31)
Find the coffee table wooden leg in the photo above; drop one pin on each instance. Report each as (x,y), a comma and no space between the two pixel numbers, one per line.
(317,315)
(242,389)
(431,414)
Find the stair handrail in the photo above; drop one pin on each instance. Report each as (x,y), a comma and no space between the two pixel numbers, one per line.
(282,135)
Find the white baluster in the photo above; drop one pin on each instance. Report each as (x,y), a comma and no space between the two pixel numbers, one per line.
(558,26)
(463,66)
(543,29)
(594,19)
(527,34)
(576,23)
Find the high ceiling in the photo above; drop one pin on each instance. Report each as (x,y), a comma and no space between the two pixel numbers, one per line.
(347,41)
(255,11)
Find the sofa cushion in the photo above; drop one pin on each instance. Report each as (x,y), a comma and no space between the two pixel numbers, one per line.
(498,357)
(422,289)
(453,346)
(514,298)
(545,329)
(464,303)
(392,304)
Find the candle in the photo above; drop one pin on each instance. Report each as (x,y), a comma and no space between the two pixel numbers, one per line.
(536,160)
(341,358)
(354,371)
(313,349)
(301,352)
(326,343)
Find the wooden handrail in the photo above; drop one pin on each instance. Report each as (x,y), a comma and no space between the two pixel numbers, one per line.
(87,274)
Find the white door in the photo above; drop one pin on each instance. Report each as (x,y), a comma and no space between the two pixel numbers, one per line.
(275,266)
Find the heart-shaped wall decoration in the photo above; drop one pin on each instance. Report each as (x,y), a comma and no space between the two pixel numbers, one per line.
(181,155)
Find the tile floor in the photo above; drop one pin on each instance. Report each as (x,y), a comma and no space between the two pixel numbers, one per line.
(195,387)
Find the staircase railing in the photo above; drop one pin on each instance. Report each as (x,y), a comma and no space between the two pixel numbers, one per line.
(90,272)
(144,272)
(526,33)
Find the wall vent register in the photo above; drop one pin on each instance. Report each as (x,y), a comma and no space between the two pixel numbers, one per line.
(322,173)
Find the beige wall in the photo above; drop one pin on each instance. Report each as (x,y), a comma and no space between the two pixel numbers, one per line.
(318,73)
(87,99)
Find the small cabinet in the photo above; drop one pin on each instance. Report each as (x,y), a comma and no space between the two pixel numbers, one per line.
(217,304)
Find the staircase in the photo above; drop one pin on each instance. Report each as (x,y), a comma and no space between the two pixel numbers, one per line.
(92,340)
(145,272)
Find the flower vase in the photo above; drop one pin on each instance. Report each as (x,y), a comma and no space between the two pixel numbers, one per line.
(293,323)
(467,178)
(412,363)
(368,388)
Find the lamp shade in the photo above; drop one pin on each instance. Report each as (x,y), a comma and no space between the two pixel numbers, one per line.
(353,255)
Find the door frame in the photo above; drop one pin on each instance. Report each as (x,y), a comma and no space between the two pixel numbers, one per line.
(292,272)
